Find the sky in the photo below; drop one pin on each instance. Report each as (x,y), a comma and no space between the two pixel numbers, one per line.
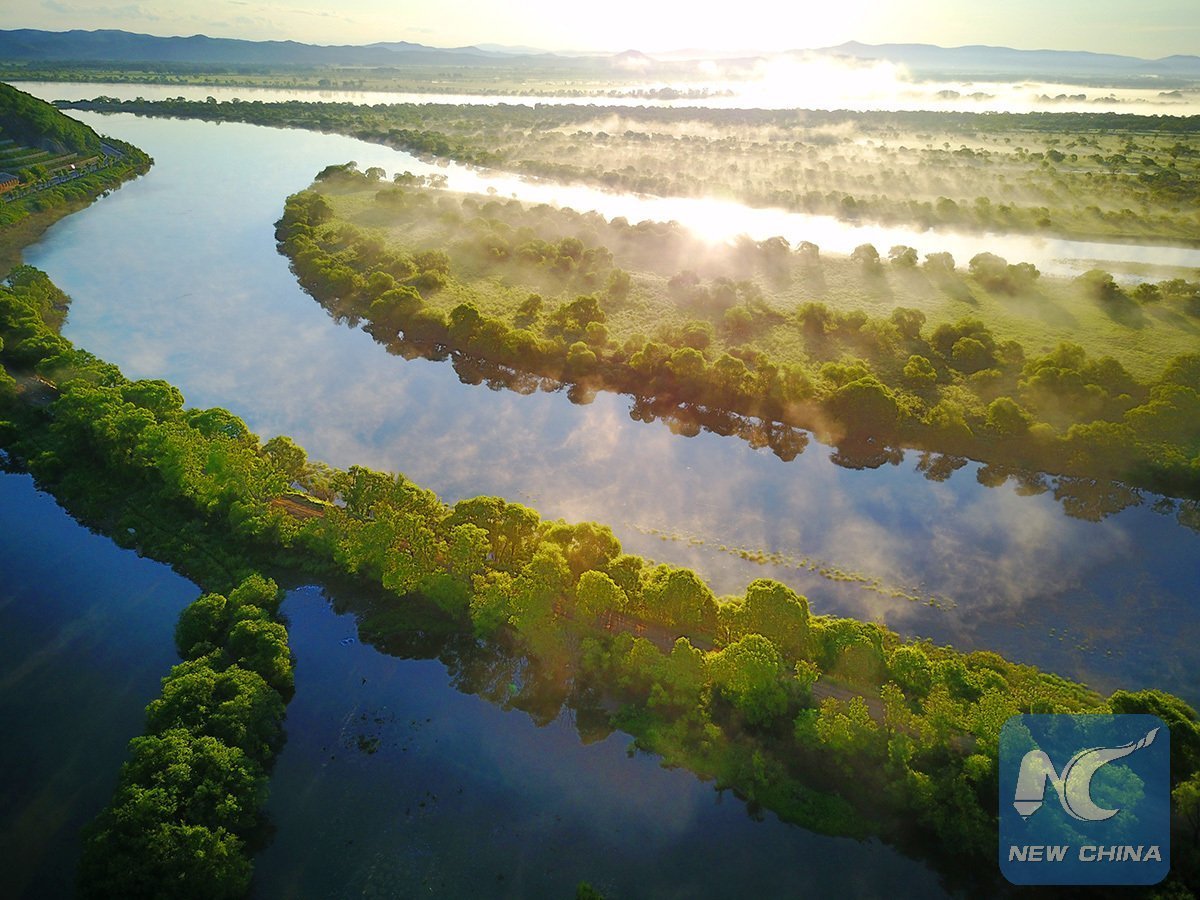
(1150,28)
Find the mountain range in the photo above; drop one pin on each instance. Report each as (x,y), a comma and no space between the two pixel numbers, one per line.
(110,46)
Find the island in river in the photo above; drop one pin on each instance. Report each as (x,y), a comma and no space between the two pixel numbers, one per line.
(110,409)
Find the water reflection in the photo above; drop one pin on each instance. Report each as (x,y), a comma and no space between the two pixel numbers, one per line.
(392,777)
(720,220)
(176,276)
(85,635)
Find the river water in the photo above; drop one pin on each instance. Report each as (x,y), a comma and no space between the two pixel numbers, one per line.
(784,84)
(457,798)
(86,633)
(176,276)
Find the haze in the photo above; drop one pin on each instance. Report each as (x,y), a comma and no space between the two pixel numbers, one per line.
(1150,30)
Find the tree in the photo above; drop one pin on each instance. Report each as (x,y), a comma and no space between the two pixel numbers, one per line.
(236,706)
(512,528)
(775,611)
(261,646)
(467,550)
(908,322)
(1181,721)
(867,258)
(909,667)
(596,595)
(865,407)
(680,679)
(202,626)
(920,371)
(750,674)
(1006,418)
(939,263)
(678,598)
(1186,799)
(173,827)
(848,729)
(286,456)
(808,253)
(586,545)
(969,355)
(1100,285)
(854,651)
(989,270)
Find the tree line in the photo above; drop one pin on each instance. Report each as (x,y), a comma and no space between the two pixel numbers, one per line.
(1083,175)
(956,388)
(832,722)
(187,811)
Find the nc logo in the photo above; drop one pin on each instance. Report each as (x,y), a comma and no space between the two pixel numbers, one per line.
(1074,785)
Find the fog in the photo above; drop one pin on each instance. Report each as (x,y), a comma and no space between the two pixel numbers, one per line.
(816,83)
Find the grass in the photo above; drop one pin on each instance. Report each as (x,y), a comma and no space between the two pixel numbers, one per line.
(1143,339)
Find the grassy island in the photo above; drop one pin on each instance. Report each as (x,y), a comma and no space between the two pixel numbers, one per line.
(986,360)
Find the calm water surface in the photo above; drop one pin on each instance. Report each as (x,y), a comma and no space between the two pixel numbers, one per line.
(717,220)
(784,85)
(176,276)
(456,798)
(86,633)
(393,784)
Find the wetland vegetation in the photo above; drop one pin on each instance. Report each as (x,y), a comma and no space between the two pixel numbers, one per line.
(1080,175)
(868,352)
(841,725)
(832,723)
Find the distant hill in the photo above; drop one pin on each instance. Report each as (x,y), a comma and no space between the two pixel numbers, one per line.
(980,59)
(407,47)
(29,45)
(31,122)
(122,47)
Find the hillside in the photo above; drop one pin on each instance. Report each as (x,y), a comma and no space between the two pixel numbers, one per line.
(111,46)
(77,46)
(980,59)
(53,164)
(30,122)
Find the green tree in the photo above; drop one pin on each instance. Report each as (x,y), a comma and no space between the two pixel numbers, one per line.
(909,666)
(596,595)
(750,674)
(777,612)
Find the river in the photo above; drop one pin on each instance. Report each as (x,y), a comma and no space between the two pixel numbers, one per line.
(784,84)
(176,276)
(86,633)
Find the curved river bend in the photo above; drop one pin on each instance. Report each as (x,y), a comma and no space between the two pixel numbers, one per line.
(176,276)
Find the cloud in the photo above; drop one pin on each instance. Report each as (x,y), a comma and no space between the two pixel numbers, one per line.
(129,11)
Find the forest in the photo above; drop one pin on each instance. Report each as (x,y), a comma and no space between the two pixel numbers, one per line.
(755,329)
(837,724)
(1088,387)
(1079,175)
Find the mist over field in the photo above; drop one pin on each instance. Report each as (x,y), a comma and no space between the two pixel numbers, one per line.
(635,451)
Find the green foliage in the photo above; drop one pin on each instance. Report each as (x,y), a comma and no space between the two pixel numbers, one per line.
(563,597)
(1181,721)
(172,829)
(776,612)
(191,792)
(731,356)
(679,599)
(909,666)
(750,673)
(27,120)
